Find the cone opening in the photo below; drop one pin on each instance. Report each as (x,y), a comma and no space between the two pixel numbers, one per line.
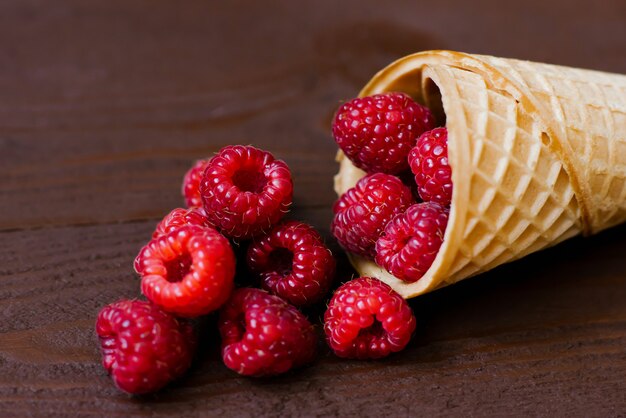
(424,86)
(432,99)
(443,101)
(422,82)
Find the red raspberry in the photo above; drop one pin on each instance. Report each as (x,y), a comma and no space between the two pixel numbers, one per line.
(362,212)
(377,132)
(143,348)
(245,191)
(263,335)
(366,319)
(293,263)
(188,272)
(181,217)
(411,241)
(191,184)
(429,163)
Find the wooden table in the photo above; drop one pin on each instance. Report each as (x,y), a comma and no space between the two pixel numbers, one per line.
(104,105)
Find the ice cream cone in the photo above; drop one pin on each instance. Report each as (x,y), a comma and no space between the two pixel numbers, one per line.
(537,151)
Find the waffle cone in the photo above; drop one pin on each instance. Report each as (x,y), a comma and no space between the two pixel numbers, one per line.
(537,151)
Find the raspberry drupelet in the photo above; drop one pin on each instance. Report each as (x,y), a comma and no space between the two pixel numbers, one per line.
(143,348)
(262,335)
(377,132)
(362,212)
(180,217)
(191,184)
(366,319)
(411,241)
(293,263)
(429,163)
(188,272)
(245,191)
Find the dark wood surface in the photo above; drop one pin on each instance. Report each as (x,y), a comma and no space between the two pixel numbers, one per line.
(104,105)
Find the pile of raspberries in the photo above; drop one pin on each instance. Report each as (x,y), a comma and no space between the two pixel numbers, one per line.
(405,157)
(240,196)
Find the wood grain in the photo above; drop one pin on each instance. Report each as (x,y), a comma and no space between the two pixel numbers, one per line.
(106,104)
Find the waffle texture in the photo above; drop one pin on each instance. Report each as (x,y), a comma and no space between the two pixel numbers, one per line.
(538,155)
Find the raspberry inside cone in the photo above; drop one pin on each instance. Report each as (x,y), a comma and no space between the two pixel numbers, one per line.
(362,212)
(377,132)
(411,241)
(429,164)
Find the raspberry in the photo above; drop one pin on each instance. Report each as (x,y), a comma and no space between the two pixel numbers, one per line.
(377,132)
(143,348)
(362,212)
(411,241)
(188,272)
(191,184)
(293,263)
(245,191)
(429,163)
(263,335)
(181,217)
(366,319)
